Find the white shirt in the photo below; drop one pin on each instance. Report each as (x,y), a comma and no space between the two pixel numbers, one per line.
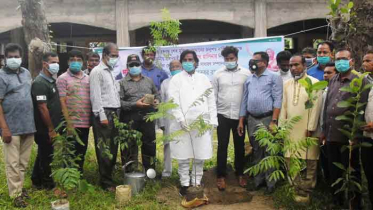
(285,75)
(228,89)
(369,110)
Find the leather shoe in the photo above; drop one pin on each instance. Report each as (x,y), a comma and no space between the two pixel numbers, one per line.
(242,181)
(220,182)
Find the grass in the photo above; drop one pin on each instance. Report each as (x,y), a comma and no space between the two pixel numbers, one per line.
(98,199)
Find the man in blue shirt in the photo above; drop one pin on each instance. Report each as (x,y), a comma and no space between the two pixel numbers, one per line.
(324,56)
(150,70)
(261,104)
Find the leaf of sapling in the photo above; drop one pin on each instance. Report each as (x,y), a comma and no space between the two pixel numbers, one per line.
(340,166)
(320,85)
(366,144)
(309,104)
(345,118)
(344,104)
(345,132)
(304,83)
(346,89)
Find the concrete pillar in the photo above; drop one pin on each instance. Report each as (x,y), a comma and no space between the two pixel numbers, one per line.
(121,16)
(260,18)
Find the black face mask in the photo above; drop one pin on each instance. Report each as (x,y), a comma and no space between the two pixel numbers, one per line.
(253,65)
(285,70)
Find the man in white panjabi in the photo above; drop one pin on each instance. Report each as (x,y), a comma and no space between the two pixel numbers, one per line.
(293,104)
(185,88)
(164,124)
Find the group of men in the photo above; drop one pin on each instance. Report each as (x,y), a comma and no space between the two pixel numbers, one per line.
(235,99)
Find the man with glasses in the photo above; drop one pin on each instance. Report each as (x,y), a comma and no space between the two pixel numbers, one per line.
(261,104)
(334,138)
(133,89)
(104,95)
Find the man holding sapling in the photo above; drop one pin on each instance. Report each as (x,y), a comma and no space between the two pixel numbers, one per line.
(228,84)
(48,116)
(175,68)
(138,97)
(17,125)
(334,138)
(186,88)
(293,104)
(73,87)
(261,103)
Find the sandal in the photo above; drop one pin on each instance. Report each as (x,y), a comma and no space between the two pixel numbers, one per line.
(19,202)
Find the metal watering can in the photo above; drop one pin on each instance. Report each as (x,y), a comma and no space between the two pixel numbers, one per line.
(136,179)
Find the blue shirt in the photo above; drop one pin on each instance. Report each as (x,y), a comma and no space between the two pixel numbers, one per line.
(316,72)
(156,74)
(261,94)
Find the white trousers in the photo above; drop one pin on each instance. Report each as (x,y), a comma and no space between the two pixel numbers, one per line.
(197,172)
(167,170)
(17,155)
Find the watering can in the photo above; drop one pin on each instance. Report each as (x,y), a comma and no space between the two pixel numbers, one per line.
(136,179)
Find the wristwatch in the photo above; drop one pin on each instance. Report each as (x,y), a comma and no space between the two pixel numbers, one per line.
(275,121)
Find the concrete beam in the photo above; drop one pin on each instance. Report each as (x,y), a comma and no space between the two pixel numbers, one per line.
(121,17)
(260,18)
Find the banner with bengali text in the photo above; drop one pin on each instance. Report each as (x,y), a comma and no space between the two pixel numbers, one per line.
(209,53)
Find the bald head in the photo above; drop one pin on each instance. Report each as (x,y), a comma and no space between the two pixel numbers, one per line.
(175,65)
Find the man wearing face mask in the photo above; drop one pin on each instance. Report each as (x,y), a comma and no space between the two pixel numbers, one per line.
(73,87)
(105,102)
(133,89)
(324,56)
(17,125)
(310,55)
(282,59)
(334,138)
(185,88)
(48,116)
(228,89)
(261,103)
(293,104)
(149,69)
(175,68)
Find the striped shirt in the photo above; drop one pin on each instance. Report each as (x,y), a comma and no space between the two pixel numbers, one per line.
(261,94)
(104,90)
(76,90)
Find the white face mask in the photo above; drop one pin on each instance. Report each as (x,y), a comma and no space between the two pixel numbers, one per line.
(112,62)
(299,76)
(13,63)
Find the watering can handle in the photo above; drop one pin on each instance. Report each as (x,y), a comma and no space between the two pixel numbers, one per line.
(130,162)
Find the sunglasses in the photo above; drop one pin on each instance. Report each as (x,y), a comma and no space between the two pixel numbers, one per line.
(133,65)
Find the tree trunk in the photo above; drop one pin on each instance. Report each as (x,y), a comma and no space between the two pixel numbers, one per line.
(35,27)
(356,34)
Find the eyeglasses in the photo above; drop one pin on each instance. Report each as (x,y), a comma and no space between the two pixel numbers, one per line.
(328,72)
(133,65)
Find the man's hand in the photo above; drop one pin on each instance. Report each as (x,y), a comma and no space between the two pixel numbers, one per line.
(368,127)
(104,123)
(52,134)
(6,135)
(272,126)
(308,133)
(140,104)
(240,128)
(322,139)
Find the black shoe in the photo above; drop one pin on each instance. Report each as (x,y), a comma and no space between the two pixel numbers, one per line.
(269,190)
(183,191)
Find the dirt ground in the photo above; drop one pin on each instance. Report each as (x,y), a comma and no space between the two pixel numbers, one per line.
(234,197)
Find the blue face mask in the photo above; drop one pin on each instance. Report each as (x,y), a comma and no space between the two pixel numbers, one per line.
(230,65)
(323,60)
(174,72)
(188,66)
(75,67)
(135,70)
(342,66)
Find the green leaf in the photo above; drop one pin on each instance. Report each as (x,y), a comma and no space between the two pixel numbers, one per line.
(367,86)
(304,83)
(345,132)
(366,144)
(344,104)
(345,118)
(320,85)
(309,104)
(340,166)
(350,5)
(346,89)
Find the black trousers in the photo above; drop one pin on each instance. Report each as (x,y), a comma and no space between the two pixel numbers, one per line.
(224,129)
(366,157)
(148,146)
(41,173)
(104,144)
(80,150)
(324,163)
(336,156)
